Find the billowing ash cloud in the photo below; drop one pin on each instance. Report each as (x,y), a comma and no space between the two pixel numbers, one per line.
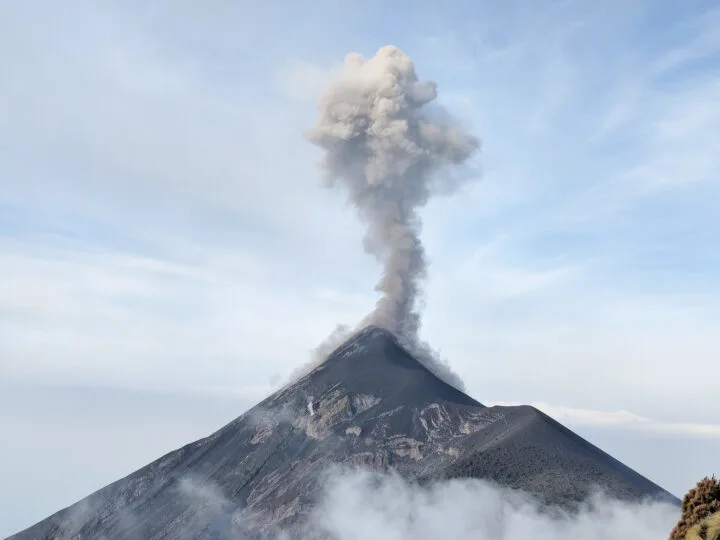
(385,151)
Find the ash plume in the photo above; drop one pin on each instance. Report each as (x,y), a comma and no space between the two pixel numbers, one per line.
(386,151)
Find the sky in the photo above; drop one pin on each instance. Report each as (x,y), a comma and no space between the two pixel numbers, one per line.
(168,256)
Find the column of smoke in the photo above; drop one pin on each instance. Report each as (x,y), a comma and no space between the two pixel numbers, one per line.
(386,153)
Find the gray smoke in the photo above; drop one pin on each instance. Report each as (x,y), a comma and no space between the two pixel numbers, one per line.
(385,150)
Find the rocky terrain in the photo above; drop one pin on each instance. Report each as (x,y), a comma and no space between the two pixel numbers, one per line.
(371,404)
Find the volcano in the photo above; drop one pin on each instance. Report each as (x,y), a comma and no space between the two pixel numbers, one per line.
(371,404)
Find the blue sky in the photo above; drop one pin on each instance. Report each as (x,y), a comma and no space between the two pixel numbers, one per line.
(163,230)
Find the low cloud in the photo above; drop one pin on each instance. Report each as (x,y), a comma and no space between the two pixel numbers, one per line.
(359,504)
(620,419)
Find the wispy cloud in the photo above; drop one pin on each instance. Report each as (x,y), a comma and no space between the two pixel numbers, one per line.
(114,318)
(160,210)
(161,225)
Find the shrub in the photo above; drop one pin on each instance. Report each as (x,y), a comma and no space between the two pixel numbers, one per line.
(707,529)
(699,503)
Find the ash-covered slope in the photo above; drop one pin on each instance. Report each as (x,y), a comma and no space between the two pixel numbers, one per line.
(370,404)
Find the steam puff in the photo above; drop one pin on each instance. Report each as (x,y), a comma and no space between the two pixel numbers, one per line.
(384,152)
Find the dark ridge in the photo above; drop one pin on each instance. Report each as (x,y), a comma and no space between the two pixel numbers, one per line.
(537,454)
(374,361)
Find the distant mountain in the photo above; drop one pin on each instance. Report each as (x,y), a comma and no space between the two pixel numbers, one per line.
(370,404)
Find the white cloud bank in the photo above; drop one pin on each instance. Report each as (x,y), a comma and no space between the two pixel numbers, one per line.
(358,504)
(620,419)
(363,505)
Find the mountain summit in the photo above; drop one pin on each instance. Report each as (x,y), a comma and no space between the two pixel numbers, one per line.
(370,404)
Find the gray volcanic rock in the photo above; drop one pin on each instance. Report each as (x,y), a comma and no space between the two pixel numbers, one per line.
(370,404)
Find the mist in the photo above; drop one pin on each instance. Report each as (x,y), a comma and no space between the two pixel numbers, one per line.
(390,149)
(361,504)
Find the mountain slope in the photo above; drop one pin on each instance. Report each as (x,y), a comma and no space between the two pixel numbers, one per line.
(371,404)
